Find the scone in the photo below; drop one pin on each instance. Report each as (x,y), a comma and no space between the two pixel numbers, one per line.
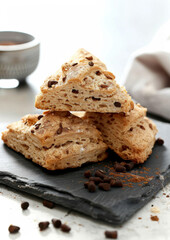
(56,140)
(83,84)
(131,136)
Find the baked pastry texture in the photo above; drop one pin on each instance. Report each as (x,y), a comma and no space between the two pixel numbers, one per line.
(83,84)
(56,140)
(131,136)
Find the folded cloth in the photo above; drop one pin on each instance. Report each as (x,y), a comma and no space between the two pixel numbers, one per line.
(147,76)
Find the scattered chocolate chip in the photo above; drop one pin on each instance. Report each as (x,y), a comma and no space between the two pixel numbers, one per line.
(150,125)
(59,131)
(39,117)
(37,125)
(108,76)
(89,58)
(13,229)
(91,64)
(111,234)
(104,86)
(91,186)
(64,79)
(100,173)
(56,223)
(117,183)
(75,91)
(32,131)
(142,127)
(96,99)
(65,228)
(43,225)
(131,129)
(119,168)
(97,180)
(154,218)
(24,205)
(104,186)
(117,104)
(51,83)
(74,64)
(124,147)
(87,174)
(48,204)
(98,73)
(159,141)
(129,166)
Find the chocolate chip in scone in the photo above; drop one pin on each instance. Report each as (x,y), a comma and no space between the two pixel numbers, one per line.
(91,186)
(124,147)
(48,204)
(24,205)
(51,83)
(89,58)
(108,76)
(43,225)
(129,166)
(100,173)
(104,186)
(96,99)
(74,64)
(13,229)
(40,116)
(104,86)
(150,125)
(119,168)
(65,228)
(37,125)
(97,180)
(56,223)
(60,129)
(32,131)
(75,91)
(91,64)
(117,104)
(117,183)
(131,129)
(87,174)
(111,234)
(98,73)
(159,141)
(64,79)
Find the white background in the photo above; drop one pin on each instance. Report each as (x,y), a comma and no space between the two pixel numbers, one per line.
(110,29)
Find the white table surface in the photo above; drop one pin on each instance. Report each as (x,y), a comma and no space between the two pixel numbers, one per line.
(112,30)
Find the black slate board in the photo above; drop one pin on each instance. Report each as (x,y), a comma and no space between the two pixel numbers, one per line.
(66,187)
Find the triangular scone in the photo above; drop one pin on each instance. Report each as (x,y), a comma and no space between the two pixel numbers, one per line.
(83,84)
(131,136)
(56,140)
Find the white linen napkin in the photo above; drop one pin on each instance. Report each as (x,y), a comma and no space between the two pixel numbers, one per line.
(147,76)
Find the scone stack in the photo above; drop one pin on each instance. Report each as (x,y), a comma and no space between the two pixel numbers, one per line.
(58,139)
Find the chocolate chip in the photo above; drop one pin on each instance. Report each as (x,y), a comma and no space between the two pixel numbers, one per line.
(129,166)
(91,186)
(13,229)
(100,173)
(142,127)
(48,204)
(98,73)
(24,205)
(124,147)
(104,86)
(59,131)
(43,225)
(117,104)
(39,117)
(119,168)
(65,228)
(96,99)
(56,223)
(117,183)
(37,125)
(89,58)
(150,125)
(87,174)
(159,141)
(51,83)
(111,234)
(91,64)
(108,76)
(74,64)
(104,186)
(75,91)
(32,131)
(131,129)
(97,180)
(64,79)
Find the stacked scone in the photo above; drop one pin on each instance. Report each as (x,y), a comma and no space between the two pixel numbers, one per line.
(58,139)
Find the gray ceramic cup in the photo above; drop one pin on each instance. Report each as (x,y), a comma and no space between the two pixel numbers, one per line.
(19,55)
